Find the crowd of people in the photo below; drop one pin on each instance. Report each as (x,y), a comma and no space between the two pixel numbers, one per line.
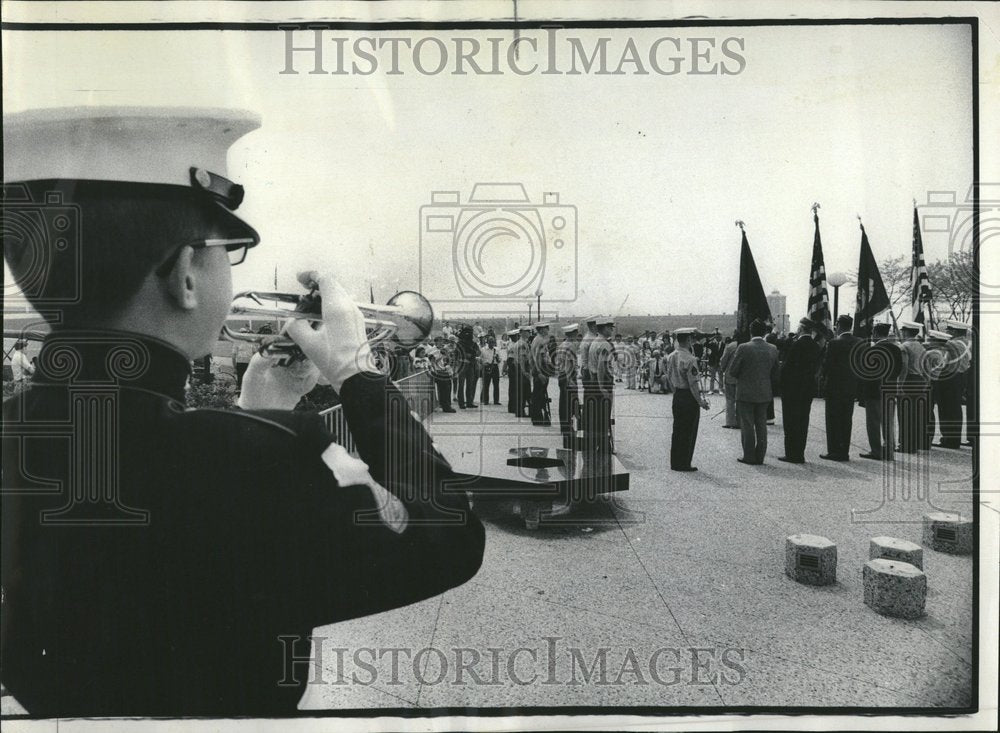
(911,382)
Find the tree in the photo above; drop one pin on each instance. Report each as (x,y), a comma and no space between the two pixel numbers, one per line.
(954,282)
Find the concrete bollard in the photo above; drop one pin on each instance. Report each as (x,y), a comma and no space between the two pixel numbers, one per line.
(894,588)
(949,533)
(890,548)
(810,559)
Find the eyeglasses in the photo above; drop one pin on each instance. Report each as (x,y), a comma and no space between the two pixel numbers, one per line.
(235,248)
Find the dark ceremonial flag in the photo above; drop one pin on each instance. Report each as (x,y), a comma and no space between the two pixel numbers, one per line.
(752,302)
(872,297)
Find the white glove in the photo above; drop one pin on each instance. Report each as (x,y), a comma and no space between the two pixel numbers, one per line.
(269,386)
(338,346)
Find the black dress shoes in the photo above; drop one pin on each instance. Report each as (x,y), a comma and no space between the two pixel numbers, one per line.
(828,457)
(786,459)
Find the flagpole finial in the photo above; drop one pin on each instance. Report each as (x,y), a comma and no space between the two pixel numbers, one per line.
(860,223)
(914,202)
(815,208)
(741,224)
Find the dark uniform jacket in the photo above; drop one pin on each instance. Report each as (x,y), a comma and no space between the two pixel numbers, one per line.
(881,367)
(798,375)
(838,374)
(153,556)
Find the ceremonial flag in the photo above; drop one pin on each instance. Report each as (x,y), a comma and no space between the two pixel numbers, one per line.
(818,309)
(752,301)
(920,284)
(872,297)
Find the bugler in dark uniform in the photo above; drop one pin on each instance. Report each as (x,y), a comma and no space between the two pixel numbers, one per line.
(839,379)
(155,557)
(798,387)
(601,367)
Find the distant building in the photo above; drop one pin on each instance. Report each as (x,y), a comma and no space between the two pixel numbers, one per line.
(779,310)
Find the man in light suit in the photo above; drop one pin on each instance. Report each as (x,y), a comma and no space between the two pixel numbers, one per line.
(755,368)
(839,380)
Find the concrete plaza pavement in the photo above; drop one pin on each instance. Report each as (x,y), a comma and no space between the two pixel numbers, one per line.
(680,581)
(678,586)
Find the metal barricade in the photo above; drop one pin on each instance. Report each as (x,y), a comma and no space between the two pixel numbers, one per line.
(417,389)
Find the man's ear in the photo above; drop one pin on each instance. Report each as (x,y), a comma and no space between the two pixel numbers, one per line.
(182,279)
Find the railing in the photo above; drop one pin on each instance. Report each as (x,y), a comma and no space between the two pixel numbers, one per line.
(418,389)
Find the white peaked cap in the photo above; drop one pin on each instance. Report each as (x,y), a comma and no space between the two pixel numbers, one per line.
(939,336)
(134,144)
(913,325)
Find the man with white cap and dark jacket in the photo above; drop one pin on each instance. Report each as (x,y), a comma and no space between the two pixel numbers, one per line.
(159,561)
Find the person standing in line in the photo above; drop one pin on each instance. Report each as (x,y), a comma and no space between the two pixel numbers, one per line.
(962,339)
(565,364)
(468,369)
(798,387)
(946,387)
(839,378)
(524,367)
(586,378)
(513,373)
(878,384)
(714,350)
(601,366)
(682,370)
(729,382)
(442,373)
(502,352)
(541,368)
(754,367)
(491,372)
(914,390)
(629,356)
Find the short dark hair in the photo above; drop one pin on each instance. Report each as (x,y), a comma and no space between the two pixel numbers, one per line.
(845,322)
(758,327)
(880,329)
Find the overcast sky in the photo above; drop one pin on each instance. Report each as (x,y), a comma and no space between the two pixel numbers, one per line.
(859,118)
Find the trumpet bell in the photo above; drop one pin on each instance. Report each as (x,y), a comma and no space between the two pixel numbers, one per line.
(413,320)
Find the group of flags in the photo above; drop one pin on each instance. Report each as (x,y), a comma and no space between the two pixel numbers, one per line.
(872,298)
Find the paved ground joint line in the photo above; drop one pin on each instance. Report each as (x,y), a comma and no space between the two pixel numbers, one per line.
(437,617)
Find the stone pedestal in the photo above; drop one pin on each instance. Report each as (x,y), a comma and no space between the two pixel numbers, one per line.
(890,548)
(811,559)
(894,588)
(949,533)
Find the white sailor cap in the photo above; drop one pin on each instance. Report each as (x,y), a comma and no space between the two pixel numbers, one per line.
(938,336)
(570,328)
(604,321)
(542,324)
(526,329)
(92,157)
(912,325)
(956,325)
(513,332)
(686,331)
(591,319)
(179,146)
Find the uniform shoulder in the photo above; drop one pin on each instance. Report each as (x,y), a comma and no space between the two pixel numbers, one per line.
(289,423)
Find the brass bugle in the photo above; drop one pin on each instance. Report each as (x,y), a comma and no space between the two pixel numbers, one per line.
(406,319)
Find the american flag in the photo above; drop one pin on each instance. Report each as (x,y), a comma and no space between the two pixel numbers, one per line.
(819,299)
(920,284)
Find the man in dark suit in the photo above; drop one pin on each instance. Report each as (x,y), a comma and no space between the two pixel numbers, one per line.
(839,380)
(882,363)
(755,367)
(798,387)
